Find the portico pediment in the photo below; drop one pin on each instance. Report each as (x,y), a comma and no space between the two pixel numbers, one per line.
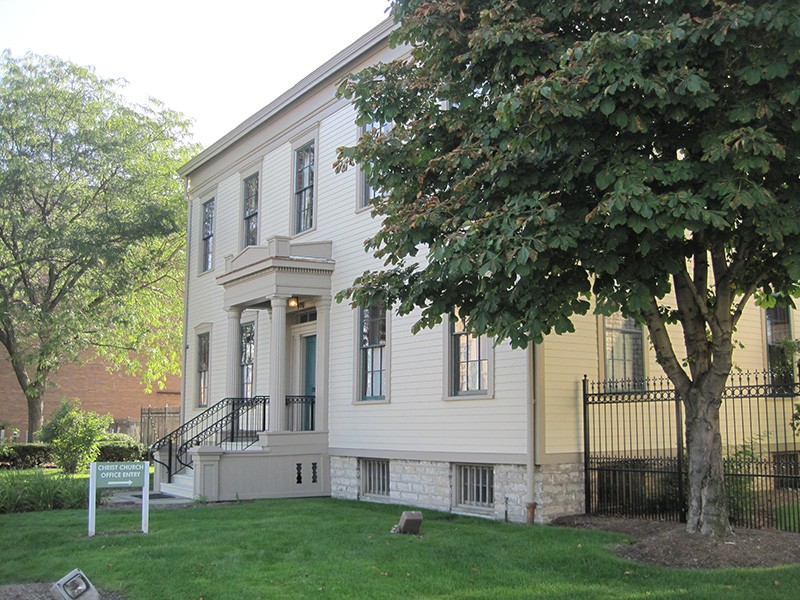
(278,268)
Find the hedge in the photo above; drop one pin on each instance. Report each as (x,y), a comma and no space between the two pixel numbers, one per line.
(31,456)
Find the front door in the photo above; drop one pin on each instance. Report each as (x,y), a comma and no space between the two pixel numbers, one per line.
(309,380)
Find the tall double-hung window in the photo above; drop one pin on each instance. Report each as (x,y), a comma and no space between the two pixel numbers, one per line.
(779,358)
(373,356)
(304,187)
(207,234)
(469,360)
(368,191)
(247,354)
(203,353)
(624,350)
(250,212)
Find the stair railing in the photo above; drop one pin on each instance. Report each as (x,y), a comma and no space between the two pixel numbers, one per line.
(232,421)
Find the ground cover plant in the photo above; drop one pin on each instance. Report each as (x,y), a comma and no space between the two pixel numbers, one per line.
(338,549)
(33,490)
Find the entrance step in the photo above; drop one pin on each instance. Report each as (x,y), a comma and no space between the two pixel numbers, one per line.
(182,486)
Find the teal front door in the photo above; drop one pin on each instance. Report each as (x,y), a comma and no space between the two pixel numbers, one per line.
(310,381)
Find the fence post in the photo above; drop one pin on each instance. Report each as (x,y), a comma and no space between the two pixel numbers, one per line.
(587,499)
(679,435)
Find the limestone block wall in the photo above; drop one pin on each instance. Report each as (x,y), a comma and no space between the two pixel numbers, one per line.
(429,484)
(558,490)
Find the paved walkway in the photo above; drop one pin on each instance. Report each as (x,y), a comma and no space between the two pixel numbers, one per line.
(120,499)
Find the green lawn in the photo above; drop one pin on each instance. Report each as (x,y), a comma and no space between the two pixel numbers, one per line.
(326,548)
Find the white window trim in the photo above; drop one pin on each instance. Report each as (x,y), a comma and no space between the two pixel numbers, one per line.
(601,341)
(362,203)
(243,176)
(201,245)
(201,329)
(248,320)
(297,144)
(449,393)
(387,376)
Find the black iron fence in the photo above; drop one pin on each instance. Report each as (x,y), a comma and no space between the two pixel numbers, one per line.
(634,450)
(155,423)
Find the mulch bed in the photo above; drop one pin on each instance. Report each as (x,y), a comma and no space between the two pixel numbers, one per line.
(667,544)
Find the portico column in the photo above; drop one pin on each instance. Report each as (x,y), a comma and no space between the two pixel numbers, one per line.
(323,305)
(277,365)
(234,359)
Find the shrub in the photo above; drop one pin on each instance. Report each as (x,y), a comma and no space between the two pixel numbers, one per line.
(121,447)
(77,436)
(25,456)
(53,427)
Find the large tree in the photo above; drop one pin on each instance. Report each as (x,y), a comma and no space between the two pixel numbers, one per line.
(91,224)
(552,157)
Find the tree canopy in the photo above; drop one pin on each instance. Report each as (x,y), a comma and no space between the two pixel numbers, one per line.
(92,224)
(552,157)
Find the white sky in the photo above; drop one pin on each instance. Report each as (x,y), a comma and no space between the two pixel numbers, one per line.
(217,62)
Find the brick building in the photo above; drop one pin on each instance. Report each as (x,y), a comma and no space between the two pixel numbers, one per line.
(117,394)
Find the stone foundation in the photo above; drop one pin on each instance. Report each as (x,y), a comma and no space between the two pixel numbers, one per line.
(558,490)
(429,484)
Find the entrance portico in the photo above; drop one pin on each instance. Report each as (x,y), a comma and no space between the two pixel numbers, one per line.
(266,278)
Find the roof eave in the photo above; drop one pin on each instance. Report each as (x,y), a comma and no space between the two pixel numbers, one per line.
(362,45)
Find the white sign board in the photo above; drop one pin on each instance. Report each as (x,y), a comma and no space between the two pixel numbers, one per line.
(119,475)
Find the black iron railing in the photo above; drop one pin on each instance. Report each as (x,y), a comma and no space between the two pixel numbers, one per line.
(634,447)
(300,413)
(233,421)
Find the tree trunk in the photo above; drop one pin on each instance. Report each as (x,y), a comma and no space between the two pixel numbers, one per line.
(708,513)
(35,415)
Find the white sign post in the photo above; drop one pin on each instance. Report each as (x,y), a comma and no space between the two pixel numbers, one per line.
(119,475)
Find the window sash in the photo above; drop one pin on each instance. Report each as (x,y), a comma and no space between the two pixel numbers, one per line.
(208,236)
(369,192)
(304,188)
(247,362)
(203,347)
(624,349)
(250,210)
(779,359)
(469,356)
(373,352)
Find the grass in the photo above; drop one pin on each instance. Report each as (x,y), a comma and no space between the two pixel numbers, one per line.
(327,548)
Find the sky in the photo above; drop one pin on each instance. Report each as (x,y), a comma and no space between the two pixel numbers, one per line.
(216,62)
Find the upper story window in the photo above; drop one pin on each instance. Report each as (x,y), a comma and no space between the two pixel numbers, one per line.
(373,357)
(207,233)
(203,352)
(469,360)
(304,187)
(368,192)
(624,350)
(779,357)
(250,213)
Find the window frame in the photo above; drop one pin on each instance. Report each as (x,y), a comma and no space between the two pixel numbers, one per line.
(203,371)
(452,359)
(361,361)
(375,478)
(310,205)
(779,377)
(607,360)
(473,504)
(252,215)
(365,191)
(250,366)
(207,237)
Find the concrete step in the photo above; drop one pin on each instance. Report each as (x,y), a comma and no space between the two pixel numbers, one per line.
(182,485)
